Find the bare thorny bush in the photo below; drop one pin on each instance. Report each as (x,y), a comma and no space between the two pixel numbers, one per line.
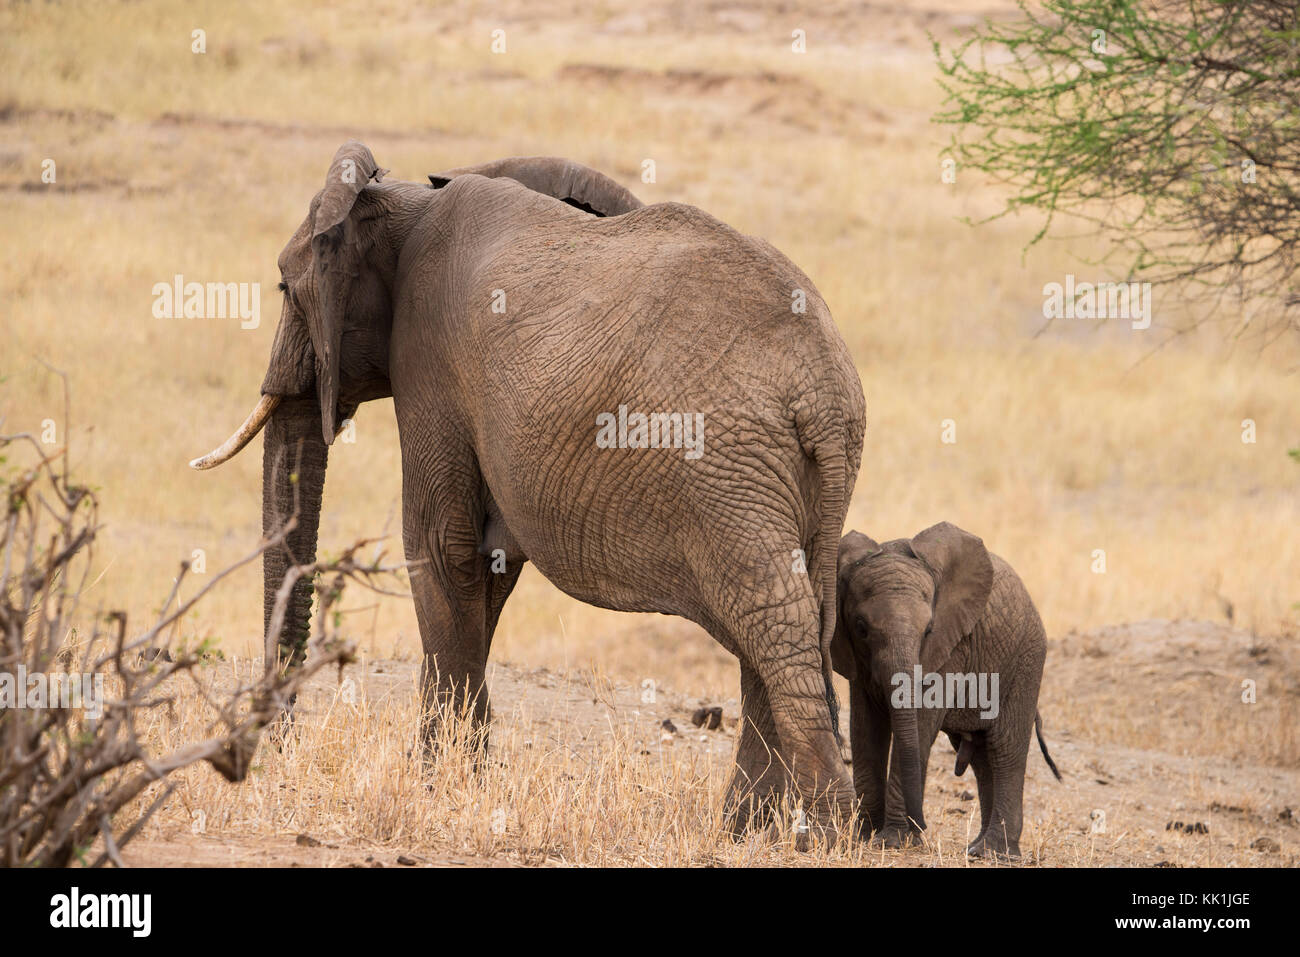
(72,755)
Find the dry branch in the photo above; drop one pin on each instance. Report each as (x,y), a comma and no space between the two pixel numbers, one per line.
(72,756)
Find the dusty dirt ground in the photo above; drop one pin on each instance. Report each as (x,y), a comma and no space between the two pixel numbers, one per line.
(1166,806)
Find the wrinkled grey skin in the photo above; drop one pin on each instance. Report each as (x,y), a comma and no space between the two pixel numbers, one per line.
(390,287)
(943,601)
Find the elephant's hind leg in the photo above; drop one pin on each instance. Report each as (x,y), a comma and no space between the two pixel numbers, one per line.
(778,638)
(1005,756)
(759,779)
(979,762)
(1007,747)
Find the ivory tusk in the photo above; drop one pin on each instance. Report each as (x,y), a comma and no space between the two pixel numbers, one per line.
(243,435)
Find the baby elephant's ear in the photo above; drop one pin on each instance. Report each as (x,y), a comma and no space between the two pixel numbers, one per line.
(963,578)
(853,547)
(842,659)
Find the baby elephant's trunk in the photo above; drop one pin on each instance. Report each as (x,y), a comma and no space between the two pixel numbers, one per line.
(906,740)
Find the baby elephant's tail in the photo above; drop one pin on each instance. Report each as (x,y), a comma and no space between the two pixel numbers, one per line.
(1038,730)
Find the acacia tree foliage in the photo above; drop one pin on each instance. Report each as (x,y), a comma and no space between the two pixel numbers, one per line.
(1172,124)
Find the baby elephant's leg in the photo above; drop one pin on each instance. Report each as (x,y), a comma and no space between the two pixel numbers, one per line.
(899,830)
(979,762)
(1007,753)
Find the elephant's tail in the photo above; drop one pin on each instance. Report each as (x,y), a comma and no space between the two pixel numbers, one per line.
(828,448)
(1038,730)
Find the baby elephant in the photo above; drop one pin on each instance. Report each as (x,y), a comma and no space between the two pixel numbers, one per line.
(937,634)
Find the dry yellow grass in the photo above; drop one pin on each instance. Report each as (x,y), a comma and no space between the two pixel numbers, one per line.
(170,162)
(582,773)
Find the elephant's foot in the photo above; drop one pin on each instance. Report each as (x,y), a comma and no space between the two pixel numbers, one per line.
(864,824)
(446,733)
(994,847)
(750,809)
(805,834)
(763,813)
(281,726)
(897,835)
(808,835)
(821,816)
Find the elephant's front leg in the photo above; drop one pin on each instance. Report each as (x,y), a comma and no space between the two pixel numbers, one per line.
(899,831)
(869,736)
(458,598)
(759,779)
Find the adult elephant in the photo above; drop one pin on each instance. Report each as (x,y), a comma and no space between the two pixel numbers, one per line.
(523,340)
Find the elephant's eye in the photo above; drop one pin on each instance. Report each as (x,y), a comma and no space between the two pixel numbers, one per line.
(860,625)
(283,286)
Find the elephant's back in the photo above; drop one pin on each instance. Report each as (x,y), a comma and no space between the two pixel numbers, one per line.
(672,273)
(663,308)
(1014,618)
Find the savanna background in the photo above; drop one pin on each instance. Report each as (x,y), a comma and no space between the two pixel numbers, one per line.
(1070,438)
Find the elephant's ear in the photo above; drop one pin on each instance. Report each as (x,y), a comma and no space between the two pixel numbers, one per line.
(853,547)
(337,252)
(573,183)
(963,578)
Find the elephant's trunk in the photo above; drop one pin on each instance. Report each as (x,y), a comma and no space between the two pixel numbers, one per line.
(293,479)
(907,743)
